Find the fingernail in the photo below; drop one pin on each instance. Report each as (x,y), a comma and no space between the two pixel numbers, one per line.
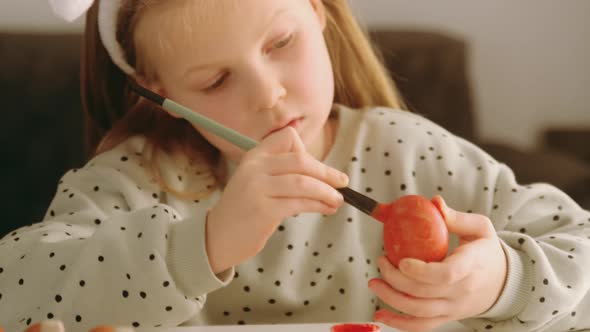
(344,179)
(402,266)
(441,205)
(445,206)
(405,264)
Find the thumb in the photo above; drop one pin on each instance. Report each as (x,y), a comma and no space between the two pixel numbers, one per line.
(467,225)
(282,141)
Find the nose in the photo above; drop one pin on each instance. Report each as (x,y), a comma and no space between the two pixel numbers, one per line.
(267,89)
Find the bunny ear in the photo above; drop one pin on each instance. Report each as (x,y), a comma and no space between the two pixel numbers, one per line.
(70,10)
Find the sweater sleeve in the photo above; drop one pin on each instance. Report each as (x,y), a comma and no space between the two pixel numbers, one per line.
(544,233)
(108,251)
(546,238)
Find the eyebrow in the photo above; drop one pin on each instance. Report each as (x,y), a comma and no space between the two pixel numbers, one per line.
(275,15)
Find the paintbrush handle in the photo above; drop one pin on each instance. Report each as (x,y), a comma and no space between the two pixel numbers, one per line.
(363,203)
(195,118)
(354,198)
(214,127)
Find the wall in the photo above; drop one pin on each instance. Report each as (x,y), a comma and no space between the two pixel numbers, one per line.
(530,59)
(33,15)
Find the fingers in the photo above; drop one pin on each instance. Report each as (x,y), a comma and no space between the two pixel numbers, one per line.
(300,186)
(286,156)
(297,206)
(451,270)
(462,261)
(408,323)
(47,326)
(284,140)
(305,164)
(464,224)
(407,285)
(417,307)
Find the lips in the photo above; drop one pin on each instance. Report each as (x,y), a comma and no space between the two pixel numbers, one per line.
(293,122)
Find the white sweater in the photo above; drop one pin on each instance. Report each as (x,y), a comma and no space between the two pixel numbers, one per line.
(114,248)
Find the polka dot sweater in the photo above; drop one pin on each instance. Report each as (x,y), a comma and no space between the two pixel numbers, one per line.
(115,248)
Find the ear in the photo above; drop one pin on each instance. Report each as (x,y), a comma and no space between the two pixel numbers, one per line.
(155,87)
(320,10)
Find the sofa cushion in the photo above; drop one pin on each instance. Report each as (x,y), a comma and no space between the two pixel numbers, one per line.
(430,70)
(42,130)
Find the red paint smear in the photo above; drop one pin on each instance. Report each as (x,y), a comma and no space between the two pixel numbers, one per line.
(356,328)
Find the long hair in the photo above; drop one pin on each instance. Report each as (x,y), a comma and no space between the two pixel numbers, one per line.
(114,114)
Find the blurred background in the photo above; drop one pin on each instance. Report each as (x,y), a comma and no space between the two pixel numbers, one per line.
(511,76)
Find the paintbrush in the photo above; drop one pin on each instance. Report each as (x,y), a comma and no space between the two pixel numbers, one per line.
(413,226)
(352,197)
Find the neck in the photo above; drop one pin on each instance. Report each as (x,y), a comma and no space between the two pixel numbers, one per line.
(326,140)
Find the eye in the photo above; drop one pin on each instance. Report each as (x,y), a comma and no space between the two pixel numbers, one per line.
(283,43)
(216,84)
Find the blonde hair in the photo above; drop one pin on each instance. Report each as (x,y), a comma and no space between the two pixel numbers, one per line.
(114,114)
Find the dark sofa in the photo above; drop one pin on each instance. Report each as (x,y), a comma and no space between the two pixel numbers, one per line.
(42,122)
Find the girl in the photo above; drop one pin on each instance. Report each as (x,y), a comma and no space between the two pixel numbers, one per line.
(169,225)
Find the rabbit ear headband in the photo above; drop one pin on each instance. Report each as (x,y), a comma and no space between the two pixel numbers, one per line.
(107,24)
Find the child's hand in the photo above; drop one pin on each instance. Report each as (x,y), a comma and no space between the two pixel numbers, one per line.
(274,181)
(464,284)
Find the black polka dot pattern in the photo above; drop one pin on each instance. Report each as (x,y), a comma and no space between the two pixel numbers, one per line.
(116,239)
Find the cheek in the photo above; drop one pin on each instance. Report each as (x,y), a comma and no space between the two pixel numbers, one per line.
(224,109)
(313,78)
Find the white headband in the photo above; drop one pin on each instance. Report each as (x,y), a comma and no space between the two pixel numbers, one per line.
(70,10)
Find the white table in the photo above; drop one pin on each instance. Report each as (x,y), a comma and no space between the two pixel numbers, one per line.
(451,327)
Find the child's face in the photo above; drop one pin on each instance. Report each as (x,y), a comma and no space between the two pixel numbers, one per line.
(252,65)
